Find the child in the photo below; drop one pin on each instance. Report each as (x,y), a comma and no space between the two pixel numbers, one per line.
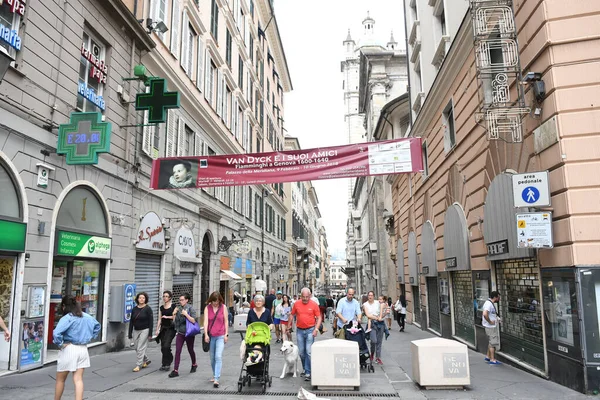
(385,309)
(182,176)
(255,355)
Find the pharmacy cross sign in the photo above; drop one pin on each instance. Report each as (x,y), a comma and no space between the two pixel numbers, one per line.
(83,138)
(157,100)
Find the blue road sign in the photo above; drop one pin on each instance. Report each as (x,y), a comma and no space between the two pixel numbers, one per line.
(530,195)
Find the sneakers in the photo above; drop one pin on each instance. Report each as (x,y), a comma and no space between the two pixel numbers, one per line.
(387,335)
(302,374)
(307,378)
(378,361)
(278,341)
(368,330)
(136,369)
(173,374)
(144,365)
(164,368)
(495,362)
(194,367)
(486,359)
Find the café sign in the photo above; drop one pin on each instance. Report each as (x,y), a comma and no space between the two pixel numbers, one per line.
(151,235)
(185,245)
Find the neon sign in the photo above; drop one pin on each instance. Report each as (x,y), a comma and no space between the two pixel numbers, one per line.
(99,70)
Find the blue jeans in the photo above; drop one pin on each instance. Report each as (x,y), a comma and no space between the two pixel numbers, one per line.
(305,339)
(217,344)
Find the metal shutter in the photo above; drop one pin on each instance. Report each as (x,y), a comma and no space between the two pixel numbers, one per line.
(433,304)
(147,279)
(183,283)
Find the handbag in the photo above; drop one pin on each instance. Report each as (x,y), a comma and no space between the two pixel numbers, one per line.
(206,346)
(191,329)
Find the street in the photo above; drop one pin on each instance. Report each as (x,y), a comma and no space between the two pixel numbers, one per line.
(110,377)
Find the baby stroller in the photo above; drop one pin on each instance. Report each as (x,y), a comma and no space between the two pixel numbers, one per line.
(256,362)
(353,331)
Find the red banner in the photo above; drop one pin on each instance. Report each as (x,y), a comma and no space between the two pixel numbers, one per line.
(374,158)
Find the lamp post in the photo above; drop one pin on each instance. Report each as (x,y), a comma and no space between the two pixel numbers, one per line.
(265,194)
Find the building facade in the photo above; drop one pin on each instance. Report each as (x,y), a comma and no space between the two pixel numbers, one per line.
(519,101)
(231,76)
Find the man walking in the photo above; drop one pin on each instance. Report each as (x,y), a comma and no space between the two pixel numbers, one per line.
(347,310)
(276,317)
(308,318)
(269,299)
(490,321)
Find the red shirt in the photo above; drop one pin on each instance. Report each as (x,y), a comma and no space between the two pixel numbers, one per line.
(306,314)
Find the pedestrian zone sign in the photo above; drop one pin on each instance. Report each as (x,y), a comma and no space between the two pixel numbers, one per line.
(531,189)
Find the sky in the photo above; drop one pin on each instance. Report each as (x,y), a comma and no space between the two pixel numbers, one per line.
(312,32)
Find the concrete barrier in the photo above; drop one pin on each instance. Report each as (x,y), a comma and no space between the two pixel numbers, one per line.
(335,365)
(440,363)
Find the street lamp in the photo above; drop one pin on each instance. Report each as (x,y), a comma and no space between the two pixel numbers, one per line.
(5,61)
(265,194)
(224,244)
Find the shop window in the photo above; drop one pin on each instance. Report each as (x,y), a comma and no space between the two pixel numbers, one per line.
(481,287)
(82,211)
(10,206)
(561,311)
(444,295)
(10,18)
(590,300)
(88,74)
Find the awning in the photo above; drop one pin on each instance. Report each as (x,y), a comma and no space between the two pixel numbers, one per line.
(227,275)
(193,260)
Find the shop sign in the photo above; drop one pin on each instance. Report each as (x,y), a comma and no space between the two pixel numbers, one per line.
(83,138)
(10,36)
(12,236)
(450,262)
(497,248)
(72,244)
(157,101)
(534,230)
(531,189)
(151,235)
(185,245)
(91,95)
(43,174)
(99,70)
(16,6)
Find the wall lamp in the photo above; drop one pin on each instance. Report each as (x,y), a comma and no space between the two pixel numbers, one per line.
(224,244)
(5,61)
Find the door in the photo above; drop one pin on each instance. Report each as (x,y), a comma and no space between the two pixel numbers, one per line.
(147,279)
(464,309)
(183,283)
(433,304)
(205,274)
(416,304)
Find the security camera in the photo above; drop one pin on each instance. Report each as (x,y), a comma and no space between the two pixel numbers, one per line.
(532,77)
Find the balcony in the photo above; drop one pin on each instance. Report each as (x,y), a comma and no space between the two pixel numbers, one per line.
(415,33)
(440,52)
(418,102)
(301,244)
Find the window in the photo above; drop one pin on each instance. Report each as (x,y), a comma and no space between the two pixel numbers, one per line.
(210,83)
(449,133)
(241,73)
(252,8)
(158,12)
(257,211)
(425,161)
(188,46)
(189,141)
(228,107)
(177,143)
(251,49)
(228,47)
(10,18)
(214,20)
(90,76)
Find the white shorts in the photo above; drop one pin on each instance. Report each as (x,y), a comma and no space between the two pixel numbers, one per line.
(72,358)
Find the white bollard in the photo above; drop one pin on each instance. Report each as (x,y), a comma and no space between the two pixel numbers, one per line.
(342,355)
(440,363)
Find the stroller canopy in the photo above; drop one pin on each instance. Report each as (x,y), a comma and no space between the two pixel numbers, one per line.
(258,333)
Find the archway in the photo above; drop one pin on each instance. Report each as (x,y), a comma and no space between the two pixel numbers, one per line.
(205,274)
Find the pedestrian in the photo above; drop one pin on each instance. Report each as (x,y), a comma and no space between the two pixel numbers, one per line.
(391,312)
(329,310)
(400,308)
(386,313)
(269,299)
(490,322)
(347,310)
(308,318)
(284,310)
(165,330)
(245,308)
(276,316)
(140,329)
(259,312)
(216,332)
(184,312)
(5,329)
(373,310)
(72,334)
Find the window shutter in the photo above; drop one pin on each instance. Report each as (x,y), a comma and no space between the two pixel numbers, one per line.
(244,133)
(247,34)
(219,93)
(148,136)
(200,72)
(181,138)
(207,88)
(235,12)
(172,126)
(185,35)
(198,145)
(154,7)
(234,122)
(175,22)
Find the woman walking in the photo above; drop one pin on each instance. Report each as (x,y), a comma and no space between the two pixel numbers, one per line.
(400,308)
(140,328)
(284,310)
(72,334)
(184,312)
(165,331)
(373,310)
(216,332)
(260,313)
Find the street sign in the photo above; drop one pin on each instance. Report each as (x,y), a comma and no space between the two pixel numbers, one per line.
(157,101)
(531,189)
(534,230)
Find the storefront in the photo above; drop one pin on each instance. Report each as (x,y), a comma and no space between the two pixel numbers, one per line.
(413,278)
(13,231)
(150,247)
(517,278)
(429,270)
(458,264)
(82,252)
(186,264)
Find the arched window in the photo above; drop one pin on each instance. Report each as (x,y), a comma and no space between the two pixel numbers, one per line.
(81,210)
(10,206)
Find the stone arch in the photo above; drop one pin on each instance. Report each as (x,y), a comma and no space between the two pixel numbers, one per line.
(17,183)
(455,186)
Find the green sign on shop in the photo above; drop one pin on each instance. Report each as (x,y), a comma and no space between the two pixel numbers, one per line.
(12,236)
(73,244)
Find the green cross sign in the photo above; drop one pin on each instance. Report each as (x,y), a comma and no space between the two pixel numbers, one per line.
(157,100)
(83,138)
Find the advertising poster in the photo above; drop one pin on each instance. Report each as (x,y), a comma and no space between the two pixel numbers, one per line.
(375,158)
(7,265)
(31,344)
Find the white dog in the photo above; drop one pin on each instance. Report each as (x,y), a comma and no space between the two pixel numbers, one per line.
(290,357)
